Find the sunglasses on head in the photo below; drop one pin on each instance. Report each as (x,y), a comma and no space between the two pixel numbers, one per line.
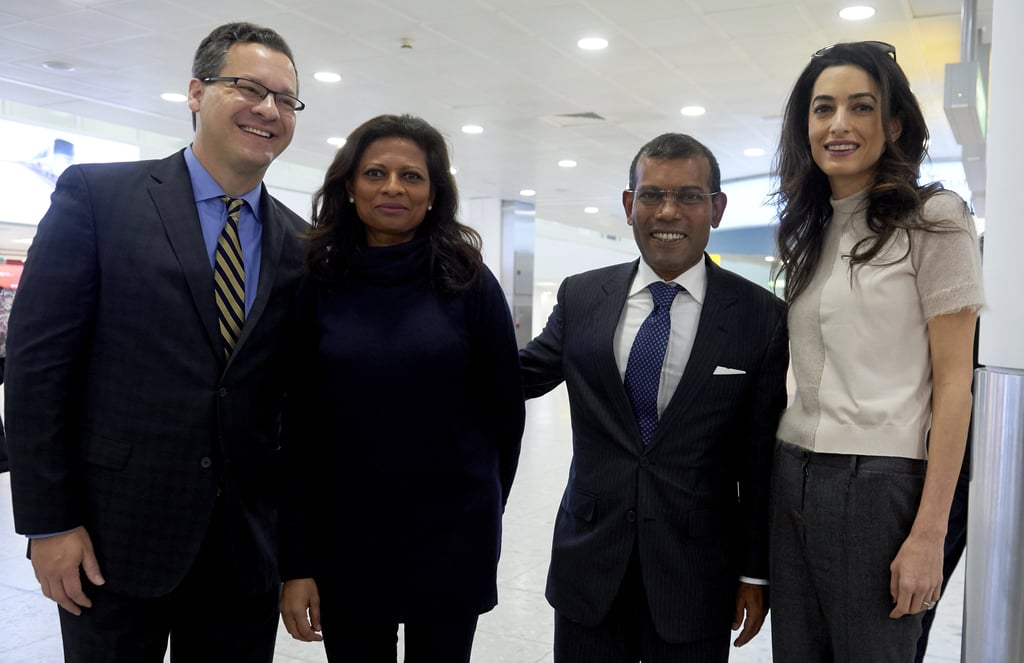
(886,48)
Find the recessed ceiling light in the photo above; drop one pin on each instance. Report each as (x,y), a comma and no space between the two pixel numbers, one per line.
(692,111)
(525,212)
(453,170)
(591,210)
(527,192)
(24,240)
(173,97)
(769,258)
(472,129)
(567,163)
(856,13)
(753,152)
(336,141)
(56,65)
(592,43)
(327,77)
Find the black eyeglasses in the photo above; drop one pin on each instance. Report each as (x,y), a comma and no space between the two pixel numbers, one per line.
(254,92)
(886,48)
(650,196)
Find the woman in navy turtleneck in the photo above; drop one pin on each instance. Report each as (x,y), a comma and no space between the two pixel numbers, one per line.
(403,428)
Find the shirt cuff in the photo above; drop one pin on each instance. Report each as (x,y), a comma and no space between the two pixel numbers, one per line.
(754,581)
(47,536)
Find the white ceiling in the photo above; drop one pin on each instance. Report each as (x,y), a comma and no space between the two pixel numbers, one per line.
(511,67)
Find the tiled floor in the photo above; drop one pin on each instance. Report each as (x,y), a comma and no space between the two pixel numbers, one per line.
(517,631)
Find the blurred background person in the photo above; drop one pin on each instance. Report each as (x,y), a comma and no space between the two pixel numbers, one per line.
(402,434)
(956,529)
(6,299)
(884,285)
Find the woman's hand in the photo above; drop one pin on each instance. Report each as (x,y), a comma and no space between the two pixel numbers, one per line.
(916,581)
(300,609)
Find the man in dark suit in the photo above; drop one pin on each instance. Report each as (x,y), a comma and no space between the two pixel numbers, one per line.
(660,542)
(144,375)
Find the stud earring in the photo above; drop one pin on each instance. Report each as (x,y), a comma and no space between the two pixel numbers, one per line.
(351,199)
(430,207)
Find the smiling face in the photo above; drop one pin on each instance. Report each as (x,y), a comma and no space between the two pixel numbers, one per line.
(846,129)
(671,236)
(391,190)
(236,140)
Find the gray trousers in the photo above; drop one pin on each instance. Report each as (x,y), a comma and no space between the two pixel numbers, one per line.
(837,522)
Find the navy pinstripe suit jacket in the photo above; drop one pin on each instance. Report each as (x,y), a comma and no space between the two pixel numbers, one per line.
(123,415)
(676,499)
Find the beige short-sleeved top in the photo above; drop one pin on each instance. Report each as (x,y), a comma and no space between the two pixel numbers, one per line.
(860,351)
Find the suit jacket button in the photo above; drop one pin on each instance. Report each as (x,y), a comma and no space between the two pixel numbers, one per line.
(222,392)
(631,516)
(205,462)
(645,461)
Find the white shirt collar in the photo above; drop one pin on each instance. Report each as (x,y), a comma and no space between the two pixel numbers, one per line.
(694,280)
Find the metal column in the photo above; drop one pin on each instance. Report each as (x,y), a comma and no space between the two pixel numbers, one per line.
(993,628)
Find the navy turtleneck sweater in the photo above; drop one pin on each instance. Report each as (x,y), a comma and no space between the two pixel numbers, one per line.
(402,438)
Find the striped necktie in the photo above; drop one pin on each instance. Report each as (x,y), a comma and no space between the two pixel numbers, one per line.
(229,277)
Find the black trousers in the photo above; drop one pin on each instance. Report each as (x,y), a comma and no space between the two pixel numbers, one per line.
(206,618)
(434,639)
(956,541)
(627,634)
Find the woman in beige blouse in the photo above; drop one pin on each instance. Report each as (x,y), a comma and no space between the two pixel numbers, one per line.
(882,275)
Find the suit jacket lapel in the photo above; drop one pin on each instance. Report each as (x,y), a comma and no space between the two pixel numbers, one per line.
(714,332)
(616,289)
(170,188)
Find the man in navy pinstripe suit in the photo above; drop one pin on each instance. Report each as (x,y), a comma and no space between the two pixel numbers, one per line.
(660,545)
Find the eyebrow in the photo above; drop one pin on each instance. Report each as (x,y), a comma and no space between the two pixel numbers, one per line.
(852,97)
(405,168)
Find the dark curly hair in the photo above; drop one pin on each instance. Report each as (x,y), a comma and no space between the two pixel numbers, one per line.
(803,196)
(338,234)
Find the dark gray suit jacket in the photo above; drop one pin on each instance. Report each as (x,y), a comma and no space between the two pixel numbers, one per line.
(674,500)
(122,413)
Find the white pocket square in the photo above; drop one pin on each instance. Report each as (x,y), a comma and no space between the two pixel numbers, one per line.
(722,370)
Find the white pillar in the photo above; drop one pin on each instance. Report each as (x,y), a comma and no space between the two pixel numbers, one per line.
(506,228)
(1002,329)
(484,216)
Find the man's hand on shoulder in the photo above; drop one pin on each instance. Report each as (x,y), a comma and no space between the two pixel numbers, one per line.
(751,603)
(56,560)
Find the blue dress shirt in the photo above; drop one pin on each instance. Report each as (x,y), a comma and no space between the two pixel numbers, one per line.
(213,214)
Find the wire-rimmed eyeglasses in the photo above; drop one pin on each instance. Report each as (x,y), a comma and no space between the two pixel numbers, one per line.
(885,47)
(650,196)
(254,91)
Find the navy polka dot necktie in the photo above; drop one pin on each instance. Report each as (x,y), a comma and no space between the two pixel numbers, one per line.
(643,369)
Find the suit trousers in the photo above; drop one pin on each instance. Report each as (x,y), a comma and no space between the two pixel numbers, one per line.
(837,522)
(627,633)
(207,619)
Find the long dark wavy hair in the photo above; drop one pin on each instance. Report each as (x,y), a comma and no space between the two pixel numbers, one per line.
(894,199)
(339,236)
